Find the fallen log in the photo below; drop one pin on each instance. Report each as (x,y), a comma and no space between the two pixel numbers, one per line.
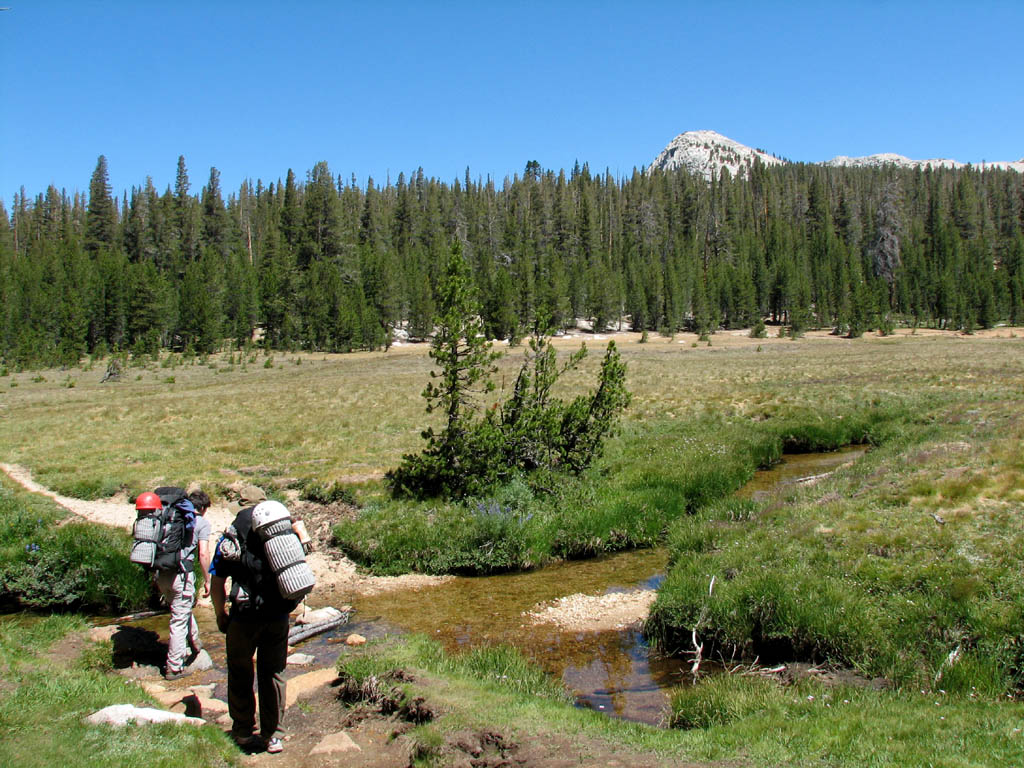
(130,617)
(299,633)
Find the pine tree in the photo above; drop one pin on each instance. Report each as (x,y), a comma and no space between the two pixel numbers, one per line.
(456,461)
(216,225)
(145,308)
(101,219)
(184,218)
(885,250)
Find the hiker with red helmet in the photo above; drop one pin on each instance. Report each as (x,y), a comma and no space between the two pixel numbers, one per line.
(184,532)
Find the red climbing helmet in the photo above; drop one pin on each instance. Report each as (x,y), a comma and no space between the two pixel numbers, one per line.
(148,500)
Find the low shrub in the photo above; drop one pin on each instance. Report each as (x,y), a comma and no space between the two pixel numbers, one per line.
(478,536)
(78,566)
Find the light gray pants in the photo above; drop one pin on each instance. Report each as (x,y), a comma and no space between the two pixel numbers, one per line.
(179,592)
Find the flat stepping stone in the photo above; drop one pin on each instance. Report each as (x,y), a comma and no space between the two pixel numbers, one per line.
(334,743)
(305,684)
(211,706)
(123,714)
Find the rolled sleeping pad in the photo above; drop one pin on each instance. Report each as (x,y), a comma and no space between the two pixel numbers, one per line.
(143,552)
(147,529)
(146,533)
(294,577)
(273,523)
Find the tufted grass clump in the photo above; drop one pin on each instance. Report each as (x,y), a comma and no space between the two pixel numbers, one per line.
(862,571)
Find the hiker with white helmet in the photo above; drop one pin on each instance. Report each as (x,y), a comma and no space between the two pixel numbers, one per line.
(268,578)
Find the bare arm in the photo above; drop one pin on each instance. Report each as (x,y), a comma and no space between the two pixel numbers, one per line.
(218,593)
(204,562)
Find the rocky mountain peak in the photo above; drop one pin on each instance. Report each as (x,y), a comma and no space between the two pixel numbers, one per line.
(706,153)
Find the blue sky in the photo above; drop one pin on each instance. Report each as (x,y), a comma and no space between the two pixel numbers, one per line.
(374,88)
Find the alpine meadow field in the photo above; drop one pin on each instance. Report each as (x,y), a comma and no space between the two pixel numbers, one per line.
(904,572)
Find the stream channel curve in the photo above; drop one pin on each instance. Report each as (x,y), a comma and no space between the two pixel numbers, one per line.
(610,671)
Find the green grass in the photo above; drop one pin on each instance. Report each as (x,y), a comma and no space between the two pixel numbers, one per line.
(43,701)
(812,725)
(912,557)
(654,473)
(857,571)
(66,566)
(730,720)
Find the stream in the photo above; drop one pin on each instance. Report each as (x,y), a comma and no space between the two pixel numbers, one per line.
(613,672)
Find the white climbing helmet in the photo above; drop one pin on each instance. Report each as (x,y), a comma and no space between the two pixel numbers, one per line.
(268,512)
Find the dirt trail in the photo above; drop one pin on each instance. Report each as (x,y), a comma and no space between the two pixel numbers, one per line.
(334,572)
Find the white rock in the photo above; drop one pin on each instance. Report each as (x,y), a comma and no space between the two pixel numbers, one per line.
(122,714)
(320,614)
(706,153)
(335,742)
(300,660)
(201,663)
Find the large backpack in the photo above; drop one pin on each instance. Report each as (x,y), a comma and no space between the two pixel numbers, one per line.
(254,587)
(161,537)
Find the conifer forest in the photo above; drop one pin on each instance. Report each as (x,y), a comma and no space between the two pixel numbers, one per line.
(327,264)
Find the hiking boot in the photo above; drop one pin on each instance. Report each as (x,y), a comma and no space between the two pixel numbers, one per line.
(247,743)
(176,674)
(274,746)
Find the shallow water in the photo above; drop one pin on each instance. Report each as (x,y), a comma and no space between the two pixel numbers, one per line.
(609,671)
(796,468)
(612,672)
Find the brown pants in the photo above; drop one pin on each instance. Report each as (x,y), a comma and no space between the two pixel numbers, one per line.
(245,637)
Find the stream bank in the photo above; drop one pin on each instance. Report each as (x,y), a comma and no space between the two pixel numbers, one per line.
(579,620)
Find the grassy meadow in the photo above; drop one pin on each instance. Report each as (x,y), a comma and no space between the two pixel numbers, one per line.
(732,720)
(351,417)
(906,568)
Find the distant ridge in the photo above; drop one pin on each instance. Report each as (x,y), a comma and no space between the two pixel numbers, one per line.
(706,153)
(888,158)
